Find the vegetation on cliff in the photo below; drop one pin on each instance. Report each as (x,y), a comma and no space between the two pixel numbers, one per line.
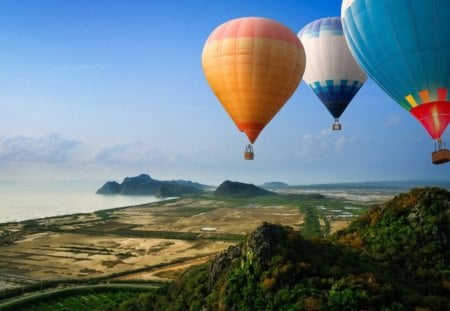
(412,232)
(396,257)
(238,189)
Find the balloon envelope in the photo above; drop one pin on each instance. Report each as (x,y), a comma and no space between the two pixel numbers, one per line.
(404,46)
(253,65)
(331,71)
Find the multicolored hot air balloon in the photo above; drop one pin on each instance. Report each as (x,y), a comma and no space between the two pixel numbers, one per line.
(331,71)
(404,46)
(253,66)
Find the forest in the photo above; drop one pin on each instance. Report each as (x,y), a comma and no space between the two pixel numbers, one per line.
(395,257)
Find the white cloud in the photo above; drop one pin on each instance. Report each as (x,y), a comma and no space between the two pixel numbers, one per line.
(393,120)
(340,143)
(324,133)
(49,148)
(128,153)
(322,145)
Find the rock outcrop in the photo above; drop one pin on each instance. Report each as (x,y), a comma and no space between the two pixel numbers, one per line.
(110,187)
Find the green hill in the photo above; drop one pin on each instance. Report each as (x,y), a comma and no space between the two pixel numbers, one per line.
(394,258)
(176,190)
(240,190)
(411,231)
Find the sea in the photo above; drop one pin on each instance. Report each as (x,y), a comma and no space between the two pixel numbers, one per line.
(31,199)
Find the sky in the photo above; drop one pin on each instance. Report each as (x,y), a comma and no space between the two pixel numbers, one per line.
(103,89)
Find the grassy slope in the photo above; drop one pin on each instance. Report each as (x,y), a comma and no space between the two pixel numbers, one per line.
(396,257)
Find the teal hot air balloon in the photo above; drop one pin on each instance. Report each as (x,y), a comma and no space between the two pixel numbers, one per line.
(404,46)
(331,71)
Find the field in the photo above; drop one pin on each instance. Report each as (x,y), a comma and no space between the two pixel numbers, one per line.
(151,242)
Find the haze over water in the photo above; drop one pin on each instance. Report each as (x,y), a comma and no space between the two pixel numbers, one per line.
(21,200)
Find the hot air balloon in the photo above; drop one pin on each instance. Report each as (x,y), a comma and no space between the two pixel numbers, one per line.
(253,66)
(404,46)
(331,71)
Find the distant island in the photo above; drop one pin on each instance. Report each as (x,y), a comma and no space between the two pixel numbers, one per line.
(238,189)
(145,185)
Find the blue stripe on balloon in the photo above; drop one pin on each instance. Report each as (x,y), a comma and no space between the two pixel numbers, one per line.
(336,97)
(330,24)
(403,45)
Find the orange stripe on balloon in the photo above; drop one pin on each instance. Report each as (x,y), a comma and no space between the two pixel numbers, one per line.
(424,96)
(254,27)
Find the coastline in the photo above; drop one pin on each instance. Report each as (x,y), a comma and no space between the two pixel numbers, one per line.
(34,199)
(126,240)
(106,210)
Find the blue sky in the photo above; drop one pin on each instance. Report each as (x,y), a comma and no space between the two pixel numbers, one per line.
(107,88)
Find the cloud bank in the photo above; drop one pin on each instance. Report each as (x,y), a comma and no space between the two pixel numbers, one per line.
(128,153)
(49,148)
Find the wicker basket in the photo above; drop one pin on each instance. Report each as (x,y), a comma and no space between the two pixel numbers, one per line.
(440,156)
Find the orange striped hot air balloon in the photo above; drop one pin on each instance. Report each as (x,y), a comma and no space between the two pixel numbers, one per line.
(253,66)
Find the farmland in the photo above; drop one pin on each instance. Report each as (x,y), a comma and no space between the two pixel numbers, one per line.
(152,242)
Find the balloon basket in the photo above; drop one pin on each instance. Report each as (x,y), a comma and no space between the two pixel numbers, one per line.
(440,156)
(337,126)
(248,154)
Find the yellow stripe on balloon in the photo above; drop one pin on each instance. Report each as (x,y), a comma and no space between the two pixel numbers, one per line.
(411,101)
(435,116)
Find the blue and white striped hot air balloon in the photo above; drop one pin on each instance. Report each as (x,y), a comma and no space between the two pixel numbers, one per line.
(404,46)
(331,70)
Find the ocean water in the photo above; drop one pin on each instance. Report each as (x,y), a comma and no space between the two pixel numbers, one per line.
(30,199)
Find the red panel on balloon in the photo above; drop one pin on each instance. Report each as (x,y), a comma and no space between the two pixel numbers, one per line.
(252,130)
(434,117)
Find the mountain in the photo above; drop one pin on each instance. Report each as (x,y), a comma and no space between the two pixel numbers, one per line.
(394,258)
(240,190)
(412,231)
(145,185)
